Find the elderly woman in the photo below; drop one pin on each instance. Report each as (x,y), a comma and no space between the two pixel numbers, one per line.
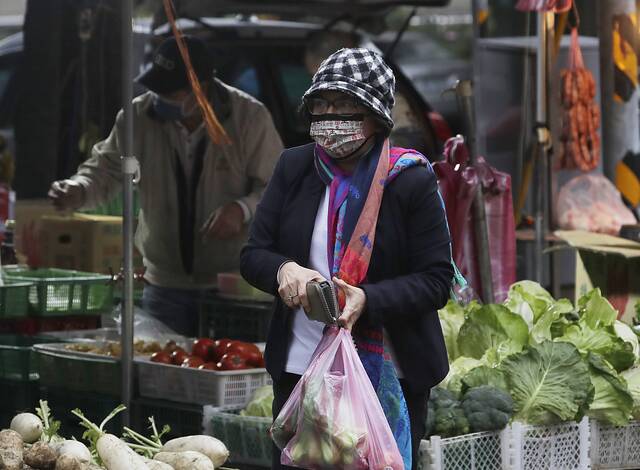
(349,208)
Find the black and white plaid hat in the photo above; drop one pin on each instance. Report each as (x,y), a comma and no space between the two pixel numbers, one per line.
(360,73)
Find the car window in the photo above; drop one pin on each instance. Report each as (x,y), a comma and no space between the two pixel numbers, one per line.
(245,78)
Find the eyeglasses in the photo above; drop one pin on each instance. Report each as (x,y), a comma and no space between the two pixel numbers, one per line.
(344,105)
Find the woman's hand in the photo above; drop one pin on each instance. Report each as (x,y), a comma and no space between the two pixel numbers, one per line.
(293,280)
(356,301)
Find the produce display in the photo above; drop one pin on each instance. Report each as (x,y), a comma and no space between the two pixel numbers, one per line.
(553,362)
(113,348)
(208,354)
(33,442)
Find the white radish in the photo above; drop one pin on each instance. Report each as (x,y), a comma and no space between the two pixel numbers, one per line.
(28,426)
(116,454)
(74,449)
(67,462)
(207,445)
(157,465)
(187,460)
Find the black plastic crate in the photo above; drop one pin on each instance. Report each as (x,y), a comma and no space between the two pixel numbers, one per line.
(184,420)
(236,319)
(17,396)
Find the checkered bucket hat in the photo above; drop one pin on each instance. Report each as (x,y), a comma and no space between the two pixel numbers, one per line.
(362,74)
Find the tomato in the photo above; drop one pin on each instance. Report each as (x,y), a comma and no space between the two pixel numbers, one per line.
(193,361)
(161,357)
(219,348)
(232,361)
(170,347)
(209,366)
(178,356)
(248,351)
(203,348)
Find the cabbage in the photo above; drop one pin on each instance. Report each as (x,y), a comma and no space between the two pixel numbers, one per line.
(612,403)
(457,370)
(625,332)
(488,327)
(596,310)
(260,404)
(603,341)
(451,319)
(632,376)
(549,383)
(529,300)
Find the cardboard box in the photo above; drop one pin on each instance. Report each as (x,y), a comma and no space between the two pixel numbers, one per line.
(28,216)
(610,263)
(83,242)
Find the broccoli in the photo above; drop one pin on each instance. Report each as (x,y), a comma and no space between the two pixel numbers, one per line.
(487,408)
(445,416)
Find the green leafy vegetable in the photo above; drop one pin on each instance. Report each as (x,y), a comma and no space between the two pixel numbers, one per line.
(632,377)
(451,319)
(548,383)
(488,327)
(625,332)
(603,341)
(50,426)
(528,299)
(260,404)
(612,402)
(596,310)
(457,370)
(484,375)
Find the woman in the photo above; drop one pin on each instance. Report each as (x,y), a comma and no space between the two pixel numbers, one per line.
(323,216)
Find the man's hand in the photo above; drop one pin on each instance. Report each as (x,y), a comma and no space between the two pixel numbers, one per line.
(67,194)
(226,222)
(293,280)
(356,301)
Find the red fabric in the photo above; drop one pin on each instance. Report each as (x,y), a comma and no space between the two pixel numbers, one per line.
(556,6)
(458,182)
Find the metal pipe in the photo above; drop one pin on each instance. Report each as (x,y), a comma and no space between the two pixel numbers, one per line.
(543,141)
(128,173)
(464,91)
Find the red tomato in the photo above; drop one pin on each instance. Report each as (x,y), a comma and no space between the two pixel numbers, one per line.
(232,361)
(178,356)
(209,366)
(202,348)
(248,351)
(193,361)
(170,347)
(219,348)
(161,357)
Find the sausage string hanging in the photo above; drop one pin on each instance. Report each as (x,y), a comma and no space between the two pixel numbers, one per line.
(214,128)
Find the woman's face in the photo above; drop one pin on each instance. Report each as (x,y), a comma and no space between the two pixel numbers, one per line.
(342,103)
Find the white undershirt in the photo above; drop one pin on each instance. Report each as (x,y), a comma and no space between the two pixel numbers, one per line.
(306,334)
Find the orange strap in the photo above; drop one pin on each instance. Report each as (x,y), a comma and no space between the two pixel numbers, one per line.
(214,128)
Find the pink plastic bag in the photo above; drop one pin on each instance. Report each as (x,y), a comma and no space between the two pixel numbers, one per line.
(457,183)
(592,203)
(333,418)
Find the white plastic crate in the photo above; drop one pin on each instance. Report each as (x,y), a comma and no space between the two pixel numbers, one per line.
(202,387)
(615,446)
(517,447)
(477,451)
(561,447)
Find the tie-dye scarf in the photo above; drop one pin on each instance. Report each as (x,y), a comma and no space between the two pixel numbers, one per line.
(354,203)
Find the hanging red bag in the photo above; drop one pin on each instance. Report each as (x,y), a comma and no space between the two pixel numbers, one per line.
(333,418)
(458,182)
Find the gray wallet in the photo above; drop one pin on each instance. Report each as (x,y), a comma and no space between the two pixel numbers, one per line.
(323,302)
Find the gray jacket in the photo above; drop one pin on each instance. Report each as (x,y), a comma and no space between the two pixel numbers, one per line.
(239,171)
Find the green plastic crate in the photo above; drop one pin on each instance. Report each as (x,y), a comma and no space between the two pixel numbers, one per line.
(246,437)
(17,358)
(62,370)
(64,292)
(236,319)
(14,300)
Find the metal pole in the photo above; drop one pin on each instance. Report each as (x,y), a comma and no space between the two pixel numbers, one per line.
(464,91)
(543,146)
(129,169)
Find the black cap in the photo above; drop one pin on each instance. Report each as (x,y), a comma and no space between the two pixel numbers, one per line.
(168,72)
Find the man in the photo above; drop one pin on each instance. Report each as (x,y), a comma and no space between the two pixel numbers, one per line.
(196,198)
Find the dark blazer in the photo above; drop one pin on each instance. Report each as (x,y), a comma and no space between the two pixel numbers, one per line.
(409,275)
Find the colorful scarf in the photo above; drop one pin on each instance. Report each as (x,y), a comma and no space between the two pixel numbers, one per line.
(354,204)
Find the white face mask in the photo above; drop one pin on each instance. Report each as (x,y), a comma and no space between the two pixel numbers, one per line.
(339,135)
